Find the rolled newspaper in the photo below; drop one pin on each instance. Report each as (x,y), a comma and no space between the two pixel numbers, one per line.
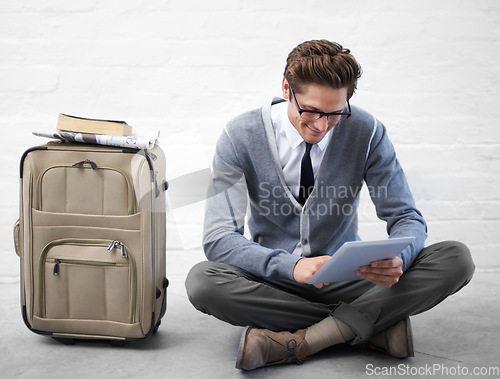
(144,140)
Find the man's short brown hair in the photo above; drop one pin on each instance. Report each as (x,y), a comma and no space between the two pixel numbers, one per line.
(322,62)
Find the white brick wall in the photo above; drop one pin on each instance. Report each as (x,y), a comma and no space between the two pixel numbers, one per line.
(431,74)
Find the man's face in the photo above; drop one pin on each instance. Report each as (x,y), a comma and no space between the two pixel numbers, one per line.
(314,97)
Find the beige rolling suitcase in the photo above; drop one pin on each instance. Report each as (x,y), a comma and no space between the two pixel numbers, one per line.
(91,237)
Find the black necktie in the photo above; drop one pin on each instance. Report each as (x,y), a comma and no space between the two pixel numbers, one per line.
(306,176)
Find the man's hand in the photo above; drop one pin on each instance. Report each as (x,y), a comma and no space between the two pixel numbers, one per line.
(307,267)
(384,273)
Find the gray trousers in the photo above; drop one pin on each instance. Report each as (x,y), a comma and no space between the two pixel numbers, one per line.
(240,298)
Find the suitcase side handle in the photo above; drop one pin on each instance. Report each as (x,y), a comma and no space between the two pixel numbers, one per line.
(17,230)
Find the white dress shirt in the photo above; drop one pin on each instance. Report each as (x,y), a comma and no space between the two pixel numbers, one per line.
(291,147)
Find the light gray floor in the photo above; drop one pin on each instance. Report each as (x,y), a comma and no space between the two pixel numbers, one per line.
(455,338)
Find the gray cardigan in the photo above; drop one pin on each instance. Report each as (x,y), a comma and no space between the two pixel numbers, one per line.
(246,171)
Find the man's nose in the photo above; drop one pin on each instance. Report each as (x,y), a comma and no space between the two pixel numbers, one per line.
(321,123)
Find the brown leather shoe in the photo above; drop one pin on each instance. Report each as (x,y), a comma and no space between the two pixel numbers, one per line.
(261,347)
(396,340)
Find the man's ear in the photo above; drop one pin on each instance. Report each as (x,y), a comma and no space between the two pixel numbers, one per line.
(285,89)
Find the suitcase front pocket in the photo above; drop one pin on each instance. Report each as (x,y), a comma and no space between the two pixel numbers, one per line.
(85,187)
(87,279)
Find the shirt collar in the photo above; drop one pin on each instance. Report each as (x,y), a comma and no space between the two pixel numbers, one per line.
(280,120)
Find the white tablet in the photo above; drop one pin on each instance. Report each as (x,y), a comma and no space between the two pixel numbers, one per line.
(352,255)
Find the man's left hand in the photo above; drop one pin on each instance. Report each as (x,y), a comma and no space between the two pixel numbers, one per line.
(384,273)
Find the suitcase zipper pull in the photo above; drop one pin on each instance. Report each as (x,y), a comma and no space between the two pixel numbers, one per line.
(56,267)
(121,245)
(123,250)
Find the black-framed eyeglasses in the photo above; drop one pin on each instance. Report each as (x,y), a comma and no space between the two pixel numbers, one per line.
(332,117)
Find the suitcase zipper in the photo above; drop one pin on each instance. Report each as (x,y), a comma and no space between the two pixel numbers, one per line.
(131,192)
(58,261)
(108,245)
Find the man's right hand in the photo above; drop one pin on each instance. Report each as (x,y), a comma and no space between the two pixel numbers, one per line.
(307,267)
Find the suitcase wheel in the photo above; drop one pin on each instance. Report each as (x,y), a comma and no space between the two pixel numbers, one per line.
(155,330)
(65,341)
(118,343)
